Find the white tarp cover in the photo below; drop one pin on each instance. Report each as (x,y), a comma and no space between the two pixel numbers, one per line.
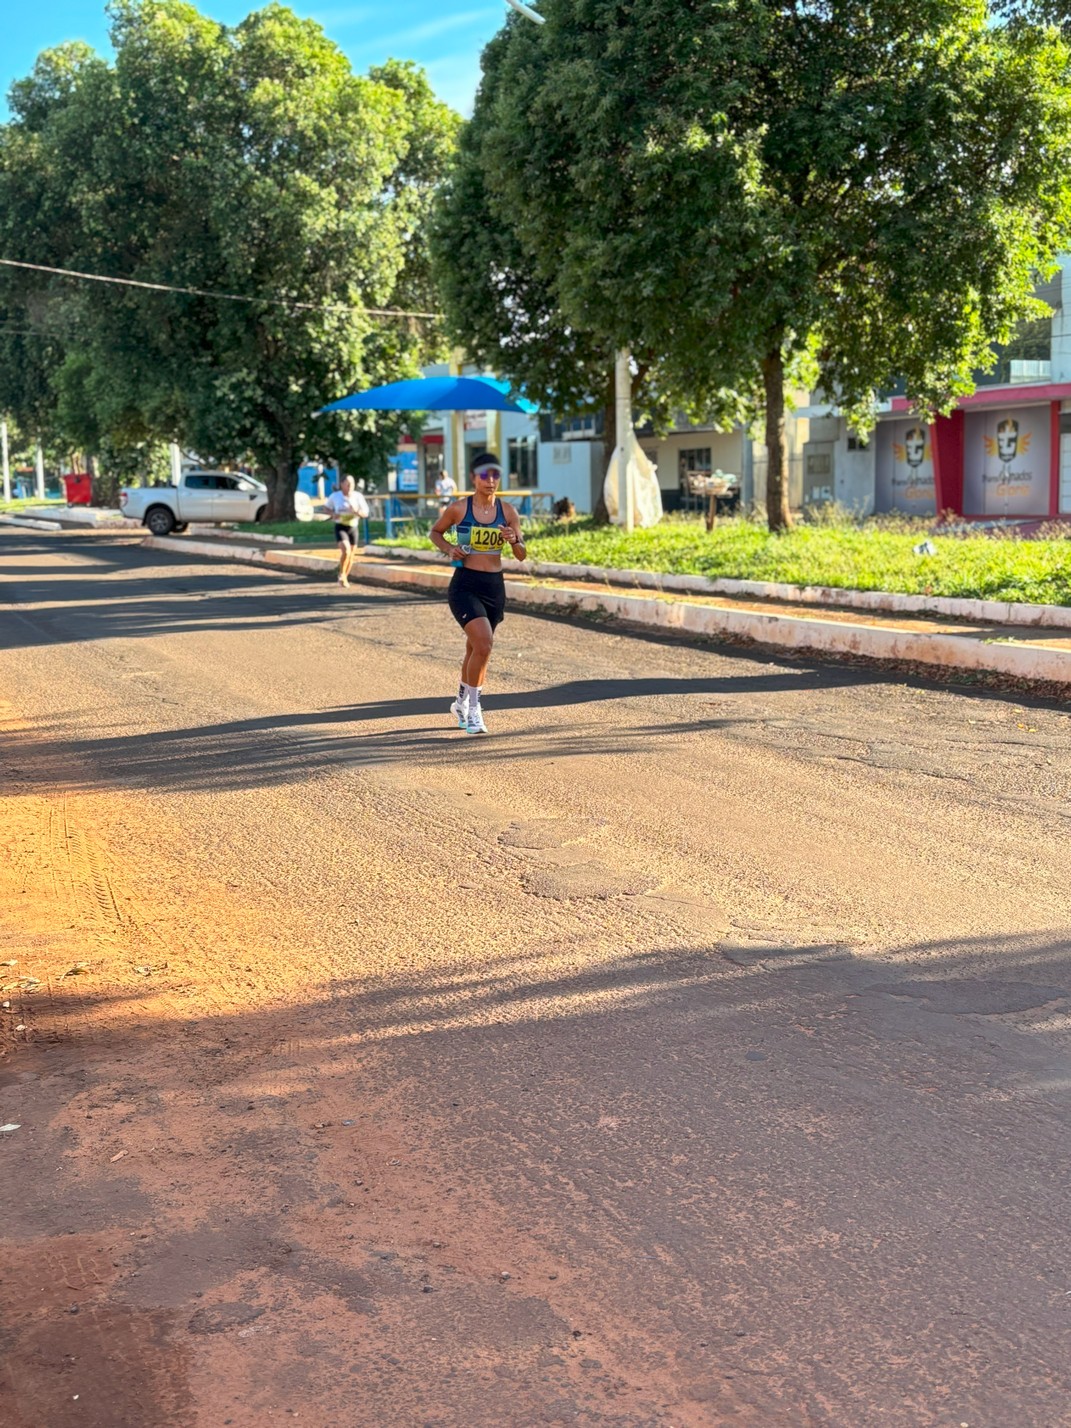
(642,474)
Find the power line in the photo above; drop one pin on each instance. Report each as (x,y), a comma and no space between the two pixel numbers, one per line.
(223,297)
(43,333)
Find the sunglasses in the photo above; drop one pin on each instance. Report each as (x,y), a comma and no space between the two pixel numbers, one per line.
(489,473)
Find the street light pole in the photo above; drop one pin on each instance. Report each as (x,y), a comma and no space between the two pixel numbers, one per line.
(7,468)
(40,492)
(623,433)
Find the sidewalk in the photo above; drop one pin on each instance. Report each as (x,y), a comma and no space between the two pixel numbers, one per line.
(1036,651)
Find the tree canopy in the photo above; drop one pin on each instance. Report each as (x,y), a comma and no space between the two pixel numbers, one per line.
(505,299)
(729,186)
(245,160)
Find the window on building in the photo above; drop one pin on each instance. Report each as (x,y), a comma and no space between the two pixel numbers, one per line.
(433,465)
(694,461)
(693,464)
(858,443)
(582,428)
(1026,358)
(523,462)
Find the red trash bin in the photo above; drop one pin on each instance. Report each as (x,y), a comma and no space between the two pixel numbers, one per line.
(78,486)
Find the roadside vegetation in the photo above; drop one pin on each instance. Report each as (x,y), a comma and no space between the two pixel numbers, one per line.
(15,506)
(762,196)
(837,551)
(278,176)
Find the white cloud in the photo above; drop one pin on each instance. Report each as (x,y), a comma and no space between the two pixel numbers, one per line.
(442,26)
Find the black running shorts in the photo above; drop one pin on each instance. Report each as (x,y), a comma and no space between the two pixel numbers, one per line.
(477,595)
(346,535)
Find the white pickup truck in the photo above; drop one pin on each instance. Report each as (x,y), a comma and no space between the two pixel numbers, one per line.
(207,497)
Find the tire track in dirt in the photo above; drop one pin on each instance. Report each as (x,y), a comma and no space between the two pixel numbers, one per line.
(184,1092)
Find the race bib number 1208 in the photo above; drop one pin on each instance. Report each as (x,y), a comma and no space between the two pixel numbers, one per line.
(486,538)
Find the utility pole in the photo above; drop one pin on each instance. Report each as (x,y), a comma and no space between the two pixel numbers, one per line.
(40,492)
(457,429)
(7,468)
(623,413)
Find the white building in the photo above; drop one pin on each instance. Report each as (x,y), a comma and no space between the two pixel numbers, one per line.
(536,454)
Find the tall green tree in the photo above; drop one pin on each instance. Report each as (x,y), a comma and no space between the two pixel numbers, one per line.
(503,298)
(732,185)
(247,161)
(34,328)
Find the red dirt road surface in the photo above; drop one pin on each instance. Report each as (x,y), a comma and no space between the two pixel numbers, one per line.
(692,1051)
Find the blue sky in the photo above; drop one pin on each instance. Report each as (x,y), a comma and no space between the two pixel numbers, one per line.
(446,38)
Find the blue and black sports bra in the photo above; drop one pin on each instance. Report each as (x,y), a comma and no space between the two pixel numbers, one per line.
(475,538)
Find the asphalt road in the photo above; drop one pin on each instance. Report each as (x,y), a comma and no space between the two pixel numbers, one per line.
(694,1050)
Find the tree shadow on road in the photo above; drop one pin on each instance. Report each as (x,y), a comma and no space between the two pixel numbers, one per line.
(787,1155)
(148,597)
(291,748)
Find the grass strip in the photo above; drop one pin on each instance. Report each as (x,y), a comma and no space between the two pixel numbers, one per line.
(13,508)
(847,555)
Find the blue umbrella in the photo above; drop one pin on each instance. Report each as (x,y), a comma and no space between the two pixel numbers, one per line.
(435,394)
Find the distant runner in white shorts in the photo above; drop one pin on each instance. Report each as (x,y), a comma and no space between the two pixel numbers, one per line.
(349,508)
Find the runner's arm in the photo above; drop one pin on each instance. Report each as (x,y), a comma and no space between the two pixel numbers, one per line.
(512,533)
(449,517)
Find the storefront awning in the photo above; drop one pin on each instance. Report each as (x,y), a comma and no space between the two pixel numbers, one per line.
(1010,396)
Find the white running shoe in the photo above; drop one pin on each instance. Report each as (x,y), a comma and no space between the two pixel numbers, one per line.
(460,713)
(474,723)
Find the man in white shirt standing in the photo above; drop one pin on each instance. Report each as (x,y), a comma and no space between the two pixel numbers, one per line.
(445,488)
(349,508)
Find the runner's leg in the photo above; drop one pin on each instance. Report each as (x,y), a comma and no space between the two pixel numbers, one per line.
(350,548)
(479,642)
(480,638)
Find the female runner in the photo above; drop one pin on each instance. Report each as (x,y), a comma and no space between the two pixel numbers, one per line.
(485,525)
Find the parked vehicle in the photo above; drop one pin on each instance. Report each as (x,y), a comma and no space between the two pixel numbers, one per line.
(204,497)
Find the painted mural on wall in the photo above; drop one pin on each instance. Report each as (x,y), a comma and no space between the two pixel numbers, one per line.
(905,468)
(1006,462)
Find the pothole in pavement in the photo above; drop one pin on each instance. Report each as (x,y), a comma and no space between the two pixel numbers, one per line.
(563,882)
(970,996)
(548,832)
(743,953)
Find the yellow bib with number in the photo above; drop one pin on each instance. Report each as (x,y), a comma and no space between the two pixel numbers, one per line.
(486,538)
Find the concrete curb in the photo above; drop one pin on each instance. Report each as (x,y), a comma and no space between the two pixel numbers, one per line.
(30,525)
(201,528)
(213,548)
(947,651)
(973,650)
(985,612)
(99,517)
